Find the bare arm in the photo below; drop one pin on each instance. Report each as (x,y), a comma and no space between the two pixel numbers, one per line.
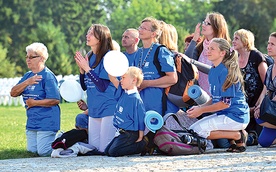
(19,88)
(163,82)
(196,111)
(114,80)
(258,103)
(262,68)
(44,103)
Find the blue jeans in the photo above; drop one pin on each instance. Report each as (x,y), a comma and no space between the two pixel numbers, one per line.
(125,144)
(221,143)
(40,142)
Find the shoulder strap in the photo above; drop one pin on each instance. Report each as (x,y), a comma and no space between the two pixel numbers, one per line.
(156,61)
(158,67)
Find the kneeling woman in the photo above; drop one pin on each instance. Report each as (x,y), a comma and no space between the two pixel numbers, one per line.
(231,112)
(267,137)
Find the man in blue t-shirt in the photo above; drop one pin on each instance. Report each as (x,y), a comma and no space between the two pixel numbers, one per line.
(130,40)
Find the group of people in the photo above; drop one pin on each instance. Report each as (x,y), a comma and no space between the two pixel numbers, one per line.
(236,77)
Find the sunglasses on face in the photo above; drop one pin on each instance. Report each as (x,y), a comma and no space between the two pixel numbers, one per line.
(206,23)
(31,57)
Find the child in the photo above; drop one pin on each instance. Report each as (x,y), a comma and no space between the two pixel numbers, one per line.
(228,101)
(129,115)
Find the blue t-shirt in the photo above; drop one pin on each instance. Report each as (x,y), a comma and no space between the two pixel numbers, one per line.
(152,96)
(238,110)
(131,57)
(130,111)
(100,104)
(42,118)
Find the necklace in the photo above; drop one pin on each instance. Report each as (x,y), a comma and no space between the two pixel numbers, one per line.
(141,56)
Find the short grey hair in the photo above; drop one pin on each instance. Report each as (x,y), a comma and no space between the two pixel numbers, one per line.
(39,49)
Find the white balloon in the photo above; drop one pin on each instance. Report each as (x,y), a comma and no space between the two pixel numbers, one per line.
(115,63)
(71,91)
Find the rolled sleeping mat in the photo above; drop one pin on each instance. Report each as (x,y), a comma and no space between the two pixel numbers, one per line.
(153,120)
(198,94)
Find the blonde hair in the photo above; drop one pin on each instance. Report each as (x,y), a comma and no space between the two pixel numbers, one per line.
(247,38)
(116,45)
(174,37)
(168,36)
(137,73)
(155,26)
(39,49)
(230,61)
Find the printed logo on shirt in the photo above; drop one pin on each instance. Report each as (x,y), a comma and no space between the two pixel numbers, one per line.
(146,64)
(121,109)
(31,87)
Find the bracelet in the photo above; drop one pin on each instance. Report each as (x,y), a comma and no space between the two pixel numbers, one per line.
(192,61)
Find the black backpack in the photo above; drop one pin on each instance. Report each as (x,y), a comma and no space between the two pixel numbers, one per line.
(187,76)
(69,138)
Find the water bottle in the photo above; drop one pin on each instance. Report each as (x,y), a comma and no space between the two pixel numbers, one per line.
(191,140)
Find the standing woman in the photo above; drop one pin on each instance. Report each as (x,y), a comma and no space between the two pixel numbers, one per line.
(253,66)
(231,112)
(100,91)
(39,88)
(268,134)
(214,26)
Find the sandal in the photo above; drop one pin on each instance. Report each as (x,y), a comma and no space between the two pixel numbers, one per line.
(231,148)
(242,140)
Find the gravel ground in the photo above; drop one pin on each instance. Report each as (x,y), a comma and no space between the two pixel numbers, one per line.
(254,159)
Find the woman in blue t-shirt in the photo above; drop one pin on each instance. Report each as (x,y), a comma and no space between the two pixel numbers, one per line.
(39,89)
(100,91)
(231,112)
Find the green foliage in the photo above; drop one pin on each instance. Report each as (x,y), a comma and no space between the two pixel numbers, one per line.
(59,61)
(254,15)
(62,25)
(6,67)
(20,20)
(12,126)
(183,15)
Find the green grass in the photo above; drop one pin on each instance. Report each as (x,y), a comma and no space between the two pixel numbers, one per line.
(12,127)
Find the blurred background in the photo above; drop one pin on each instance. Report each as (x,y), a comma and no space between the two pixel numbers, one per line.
(62,25)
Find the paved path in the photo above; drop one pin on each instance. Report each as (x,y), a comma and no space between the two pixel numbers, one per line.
(254,159)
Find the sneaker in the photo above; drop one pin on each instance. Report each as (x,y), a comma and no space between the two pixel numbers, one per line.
(83,148)
(61,153)
(56,153)
(59,134)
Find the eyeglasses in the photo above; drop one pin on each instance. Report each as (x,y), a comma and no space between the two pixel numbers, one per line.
(206,23)
(143,28)
(31,57)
